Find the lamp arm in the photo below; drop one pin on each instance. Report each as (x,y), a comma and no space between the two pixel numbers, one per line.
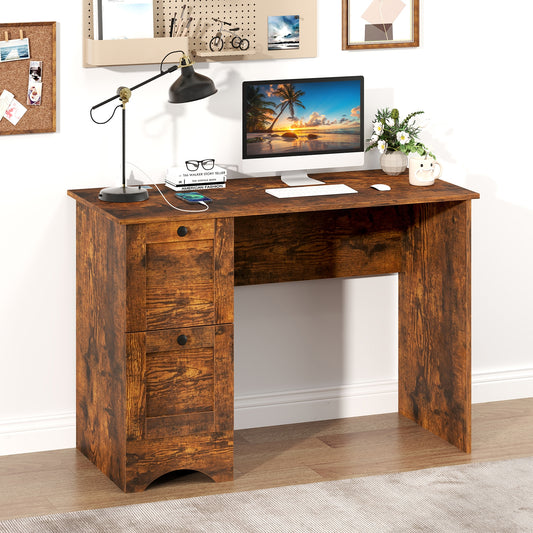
(184,61)
(173,68)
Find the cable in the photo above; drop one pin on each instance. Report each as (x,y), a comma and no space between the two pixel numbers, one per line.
(114,111)
(164,198)
(179,208)
(170,53)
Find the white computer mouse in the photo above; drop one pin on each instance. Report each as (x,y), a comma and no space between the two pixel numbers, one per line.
(380,187)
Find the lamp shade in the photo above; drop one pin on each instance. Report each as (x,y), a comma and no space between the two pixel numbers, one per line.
(190,86)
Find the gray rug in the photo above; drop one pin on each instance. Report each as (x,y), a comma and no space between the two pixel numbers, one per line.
(484,497)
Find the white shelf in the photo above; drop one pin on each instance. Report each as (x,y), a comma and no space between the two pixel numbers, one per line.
(132,51)
(224,53)
(251,16)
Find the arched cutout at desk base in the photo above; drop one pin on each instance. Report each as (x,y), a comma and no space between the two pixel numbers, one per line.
(218,468)
(181,476)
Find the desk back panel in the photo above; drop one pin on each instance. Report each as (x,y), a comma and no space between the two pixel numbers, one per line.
(324,244)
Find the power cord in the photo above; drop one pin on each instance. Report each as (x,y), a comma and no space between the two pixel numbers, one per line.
(105,121)
(164,198)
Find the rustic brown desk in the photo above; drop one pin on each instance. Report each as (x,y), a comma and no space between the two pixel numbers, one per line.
(155,309)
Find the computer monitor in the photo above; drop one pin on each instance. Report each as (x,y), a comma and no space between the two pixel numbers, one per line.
(302,124)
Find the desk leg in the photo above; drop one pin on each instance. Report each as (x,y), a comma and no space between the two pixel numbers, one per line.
(434,321)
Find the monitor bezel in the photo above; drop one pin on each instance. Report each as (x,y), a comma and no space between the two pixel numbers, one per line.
(246,84)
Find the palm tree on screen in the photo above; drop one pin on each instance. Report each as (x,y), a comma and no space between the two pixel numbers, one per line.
(259,111)
(290,97)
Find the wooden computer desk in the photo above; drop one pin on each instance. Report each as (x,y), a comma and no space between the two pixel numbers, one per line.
(155,309)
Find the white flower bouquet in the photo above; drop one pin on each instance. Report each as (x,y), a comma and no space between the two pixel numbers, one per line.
(391,134)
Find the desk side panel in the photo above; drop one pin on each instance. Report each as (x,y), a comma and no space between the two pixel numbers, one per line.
(100,342)
(434,321)
(223,244)
(323,244)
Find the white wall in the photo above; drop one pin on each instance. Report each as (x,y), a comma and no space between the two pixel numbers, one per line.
(303,350)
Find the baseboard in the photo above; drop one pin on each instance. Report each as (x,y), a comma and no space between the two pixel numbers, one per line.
(38,433)
(499,386)
(57,431)
(316,404)
(364,399)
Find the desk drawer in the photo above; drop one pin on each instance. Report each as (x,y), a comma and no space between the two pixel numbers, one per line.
(174,281)
(188,381)
(180,372)
(180,284)
(194,230)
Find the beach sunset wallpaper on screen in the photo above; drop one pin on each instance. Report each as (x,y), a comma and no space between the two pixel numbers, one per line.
(302,116)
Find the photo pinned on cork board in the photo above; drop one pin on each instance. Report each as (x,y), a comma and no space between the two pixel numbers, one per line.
(28,94)
(14,50)
(35,83)
(368,24)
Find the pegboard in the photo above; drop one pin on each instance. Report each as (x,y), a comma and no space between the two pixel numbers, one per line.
(250,16)
(202,27)
(239,14)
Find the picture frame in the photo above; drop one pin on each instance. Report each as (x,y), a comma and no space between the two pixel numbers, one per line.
(283,32)
(40,115)
(374,24)
(125,19)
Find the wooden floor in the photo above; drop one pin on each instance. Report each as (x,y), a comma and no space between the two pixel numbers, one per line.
(64,480)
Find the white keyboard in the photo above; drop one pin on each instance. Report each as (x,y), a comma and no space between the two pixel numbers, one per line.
(311,190)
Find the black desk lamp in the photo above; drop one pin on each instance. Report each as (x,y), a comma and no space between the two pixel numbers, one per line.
(188,87)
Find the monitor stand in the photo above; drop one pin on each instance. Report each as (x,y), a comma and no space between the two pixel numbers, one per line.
(297,178)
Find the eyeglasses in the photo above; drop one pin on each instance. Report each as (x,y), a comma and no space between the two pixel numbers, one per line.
(193,165)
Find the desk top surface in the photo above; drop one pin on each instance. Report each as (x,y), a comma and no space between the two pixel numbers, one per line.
(247,197)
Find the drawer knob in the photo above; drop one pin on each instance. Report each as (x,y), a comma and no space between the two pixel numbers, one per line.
(182,231)
(182,340)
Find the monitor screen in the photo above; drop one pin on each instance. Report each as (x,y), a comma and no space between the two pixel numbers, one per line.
(303,117)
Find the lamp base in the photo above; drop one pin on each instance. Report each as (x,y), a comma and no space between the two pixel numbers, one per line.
(123,194)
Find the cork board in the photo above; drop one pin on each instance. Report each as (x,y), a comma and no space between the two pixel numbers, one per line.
(14,77)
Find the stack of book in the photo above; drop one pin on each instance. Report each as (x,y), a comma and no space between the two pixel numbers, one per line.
(181,179)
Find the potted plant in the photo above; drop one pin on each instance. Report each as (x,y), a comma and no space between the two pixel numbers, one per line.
(396,139)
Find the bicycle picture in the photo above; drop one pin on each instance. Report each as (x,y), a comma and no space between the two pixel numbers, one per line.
(217,42)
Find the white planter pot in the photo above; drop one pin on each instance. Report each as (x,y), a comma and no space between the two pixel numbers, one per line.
(393,163)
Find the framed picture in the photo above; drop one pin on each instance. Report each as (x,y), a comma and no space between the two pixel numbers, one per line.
(125,19)
(284,32)
(28,88)
(380,24)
